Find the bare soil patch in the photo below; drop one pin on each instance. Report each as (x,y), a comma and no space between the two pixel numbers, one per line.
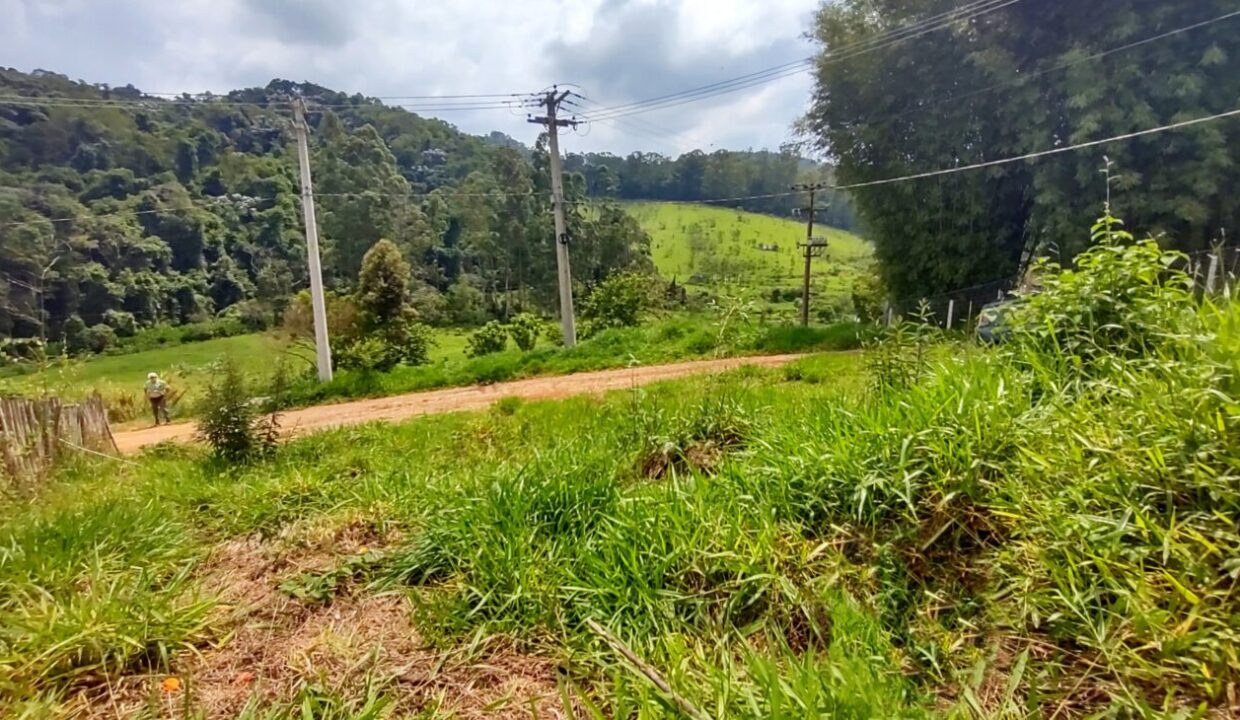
(273,645)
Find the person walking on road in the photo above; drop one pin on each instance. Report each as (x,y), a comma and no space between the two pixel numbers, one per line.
(157,393)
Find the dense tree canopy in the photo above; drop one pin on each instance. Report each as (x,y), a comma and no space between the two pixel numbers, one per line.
(172,211)
(1026,77)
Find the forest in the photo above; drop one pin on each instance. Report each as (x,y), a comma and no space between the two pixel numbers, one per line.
(1021,78)
(175,210)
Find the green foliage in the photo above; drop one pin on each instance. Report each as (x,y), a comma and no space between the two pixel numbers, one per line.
(983,89)
(466,304)
(229,421)
(98,338)
(490,338)
(123,323)
(76,340)
(1122,299)
(177,213)
(524,330)
(401,342)
(383,286)
(898,356)
(869,297)
(616,302)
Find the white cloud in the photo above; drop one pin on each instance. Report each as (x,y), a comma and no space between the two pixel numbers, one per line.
(620,51)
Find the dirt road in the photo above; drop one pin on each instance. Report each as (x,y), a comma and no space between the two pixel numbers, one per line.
(474,397)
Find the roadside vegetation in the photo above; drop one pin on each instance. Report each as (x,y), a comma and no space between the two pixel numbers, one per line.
(381,346)
(925,529)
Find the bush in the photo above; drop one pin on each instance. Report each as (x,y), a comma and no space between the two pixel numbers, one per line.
(99,338)
(75,335)
(869,297)
(383,285)
(402,343)
(254,315)
(122,322)
(229,422)
(430,305)
(491,338)
(618,301)
(342,317)
(524,329)
(466,304)
(1120,300)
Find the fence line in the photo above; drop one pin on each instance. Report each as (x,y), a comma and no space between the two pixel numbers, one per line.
(36,432)
(1214,271)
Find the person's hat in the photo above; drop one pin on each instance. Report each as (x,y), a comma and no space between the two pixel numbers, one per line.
(152,376)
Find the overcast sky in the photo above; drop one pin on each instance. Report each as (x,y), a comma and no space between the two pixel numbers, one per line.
(618,51)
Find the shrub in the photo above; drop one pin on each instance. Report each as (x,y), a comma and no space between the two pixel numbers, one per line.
(122,322)
(1122,299)
(490,338)
(401,343)
(99,338)
(899,355)
(869,296)
(229,421)
(75,335)
(429,304)
(254,315)
(342,317)
(466,304)
(616,302)
(524,329)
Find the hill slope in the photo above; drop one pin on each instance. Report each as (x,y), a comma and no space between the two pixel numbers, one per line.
(721,247)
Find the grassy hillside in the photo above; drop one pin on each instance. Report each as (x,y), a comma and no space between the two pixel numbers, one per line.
(739,251)
(186,366)
(1047,528)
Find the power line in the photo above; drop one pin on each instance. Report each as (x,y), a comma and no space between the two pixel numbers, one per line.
(1043,153)
(152,105)
(797,66)
(882,41)
(1062,66)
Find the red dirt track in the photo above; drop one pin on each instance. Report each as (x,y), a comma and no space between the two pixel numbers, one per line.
(474,397)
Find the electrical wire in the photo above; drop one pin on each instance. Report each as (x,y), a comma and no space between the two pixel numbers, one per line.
(882,41)
(1043,153)
(1062,66)
(796,64)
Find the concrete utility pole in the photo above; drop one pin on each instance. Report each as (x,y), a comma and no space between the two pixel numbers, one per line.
(814,247)
(563,270)
(322,345)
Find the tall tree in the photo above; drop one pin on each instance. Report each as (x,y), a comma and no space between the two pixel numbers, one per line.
(1024,78)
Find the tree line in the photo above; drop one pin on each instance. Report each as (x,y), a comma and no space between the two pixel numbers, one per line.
(697,176)
(1024,78)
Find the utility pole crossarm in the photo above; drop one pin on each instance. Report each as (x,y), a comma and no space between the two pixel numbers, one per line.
(814,247)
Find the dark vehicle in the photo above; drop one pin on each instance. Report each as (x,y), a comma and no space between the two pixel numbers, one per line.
(991,325)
